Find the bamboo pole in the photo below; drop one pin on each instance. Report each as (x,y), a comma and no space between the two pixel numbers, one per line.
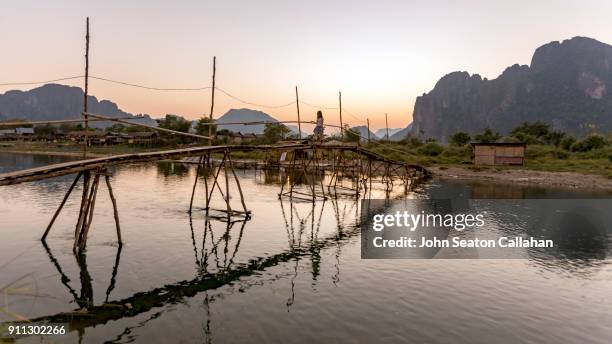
(86,93)
(212,101)
(368,121)
(59,209)
(195,182)
(206,178)
(246,212)
(341,127)
(84,197)
(227,191)
(92,203)
(387,126)
(147,126)
(56,121)
(297,103)
(212,189)
(115,212)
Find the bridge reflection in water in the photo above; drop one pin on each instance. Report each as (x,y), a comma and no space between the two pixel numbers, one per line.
(307,164)
(215,265)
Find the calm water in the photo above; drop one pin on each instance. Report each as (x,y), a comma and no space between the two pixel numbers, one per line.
(291,274)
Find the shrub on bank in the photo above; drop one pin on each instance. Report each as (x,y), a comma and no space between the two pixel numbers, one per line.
(593,141)
(431,149)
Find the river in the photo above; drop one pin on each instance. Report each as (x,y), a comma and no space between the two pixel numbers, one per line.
(290,274)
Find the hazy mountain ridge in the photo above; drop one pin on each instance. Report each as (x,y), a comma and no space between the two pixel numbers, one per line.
(382,132)
(54,102)
(567,85)
(363,132)
(402,134)
(248,115)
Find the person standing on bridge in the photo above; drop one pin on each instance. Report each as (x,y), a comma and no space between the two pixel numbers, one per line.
(318,130)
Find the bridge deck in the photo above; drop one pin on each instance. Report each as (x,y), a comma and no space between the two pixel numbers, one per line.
(61,169)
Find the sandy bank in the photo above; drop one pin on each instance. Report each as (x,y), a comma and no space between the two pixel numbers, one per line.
(527,177)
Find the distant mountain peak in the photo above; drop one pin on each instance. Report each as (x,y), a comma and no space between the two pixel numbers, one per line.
(567,85)
(55,101)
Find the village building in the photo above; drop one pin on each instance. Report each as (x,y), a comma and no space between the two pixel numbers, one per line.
(499,153)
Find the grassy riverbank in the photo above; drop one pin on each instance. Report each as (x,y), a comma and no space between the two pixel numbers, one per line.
(537,158)
(545,165)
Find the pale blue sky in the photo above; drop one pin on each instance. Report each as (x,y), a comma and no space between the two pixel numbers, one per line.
(381,54)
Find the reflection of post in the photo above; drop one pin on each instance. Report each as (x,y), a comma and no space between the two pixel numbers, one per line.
(111,285)
(63,278)
(85,300)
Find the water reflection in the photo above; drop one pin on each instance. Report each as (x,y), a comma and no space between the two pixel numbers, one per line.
(293,255)
(172,170)
(215,266)
(85,299)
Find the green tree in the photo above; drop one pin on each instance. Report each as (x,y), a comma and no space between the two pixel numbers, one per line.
(44,130)
(554,138)
(202,126)
(487,136)
(275,132)
(176,123)
(537,129)
(460,139)
(593,141)
(351,134)
(567,142)
(431,149)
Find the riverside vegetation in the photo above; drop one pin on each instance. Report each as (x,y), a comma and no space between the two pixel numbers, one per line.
(547,150)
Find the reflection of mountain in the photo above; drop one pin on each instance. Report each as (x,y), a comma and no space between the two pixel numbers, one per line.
(53,101)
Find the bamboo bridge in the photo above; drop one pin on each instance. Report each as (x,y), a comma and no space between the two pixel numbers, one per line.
(305,159)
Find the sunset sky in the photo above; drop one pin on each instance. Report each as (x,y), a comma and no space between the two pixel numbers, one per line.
(380,54)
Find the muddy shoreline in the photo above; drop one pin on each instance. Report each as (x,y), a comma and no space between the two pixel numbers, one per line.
(569,180)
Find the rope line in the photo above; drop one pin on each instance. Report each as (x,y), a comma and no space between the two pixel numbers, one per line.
(201,88)
(40,82)
(151,87)
(254,104)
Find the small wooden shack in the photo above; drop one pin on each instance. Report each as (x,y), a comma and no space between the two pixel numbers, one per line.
(499,153)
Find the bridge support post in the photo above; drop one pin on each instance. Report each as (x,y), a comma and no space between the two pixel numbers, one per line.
(86,208)
(115,210)
(59,209)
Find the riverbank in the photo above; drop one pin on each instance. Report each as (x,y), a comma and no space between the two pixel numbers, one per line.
(532,174)
(572,180)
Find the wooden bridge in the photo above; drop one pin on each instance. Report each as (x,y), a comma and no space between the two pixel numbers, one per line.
(306,160)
